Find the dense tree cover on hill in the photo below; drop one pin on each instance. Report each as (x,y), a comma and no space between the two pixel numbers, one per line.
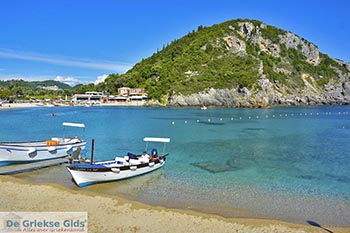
(201,60)
(20,89)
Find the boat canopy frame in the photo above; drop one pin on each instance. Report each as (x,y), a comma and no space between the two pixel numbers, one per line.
(161,140)
(70,124)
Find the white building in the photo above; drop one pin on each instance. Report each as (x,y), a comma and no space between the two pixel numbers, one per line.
(88,97)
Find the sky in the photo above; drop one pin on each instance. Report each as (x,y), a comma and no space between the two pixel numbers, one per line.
(82,41)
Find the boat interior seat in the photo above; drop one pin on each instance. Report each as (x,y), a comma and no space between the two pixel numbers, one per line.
(134,161)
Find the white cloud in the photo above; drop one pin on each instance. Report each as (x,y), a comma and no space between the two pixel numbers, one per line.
(65,61)
(71,81)
(101,79)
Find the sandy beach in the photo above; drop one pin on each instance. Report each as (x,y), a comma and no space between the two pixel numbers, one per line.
(17,105)
(112,214)
(5,106)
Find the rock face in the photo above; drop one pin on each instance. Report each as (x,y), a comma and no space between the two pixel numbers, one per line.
(270,94)
(338,94)
(309,50)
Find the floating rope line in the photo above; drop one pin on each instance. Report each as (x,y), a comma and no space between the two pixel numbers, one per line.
(266,116)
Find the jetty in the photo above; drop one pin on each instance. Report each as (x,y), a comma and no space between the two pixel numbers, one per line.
(17,168)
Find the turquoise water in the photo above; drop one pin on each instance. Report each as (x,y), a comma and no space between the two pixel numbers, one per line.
(284,163)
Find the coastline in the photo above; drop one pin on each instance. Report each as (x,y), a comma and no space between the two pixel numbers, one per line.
(6,106)
(114,214)
(17,105)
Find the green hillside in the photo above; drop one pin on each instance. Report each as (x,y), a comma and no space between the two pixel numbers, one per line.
(33,85)
(208,58)
(20,89)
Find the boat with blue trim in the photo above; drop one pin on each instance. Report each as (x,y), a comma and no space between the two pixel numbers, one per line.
(33,151)
(131,165)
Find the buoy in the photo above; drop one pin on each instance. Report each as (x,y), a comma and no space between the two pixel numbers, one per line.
(51,149)
(220,119)
(173,123)
(185,122)
(231,118)
(197,121)
(69,148)
(208,119)
(240,118)
(31,150)
(116,170)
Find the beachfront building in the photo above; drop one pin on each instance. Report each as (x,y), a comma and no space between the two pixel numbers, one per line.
(88,97)
(125,95)
(117,99)
(135,95)
(123,91)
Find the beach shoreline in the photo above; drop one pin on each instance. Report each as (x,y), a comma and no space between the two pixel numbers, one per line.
(113,214)
(6,106)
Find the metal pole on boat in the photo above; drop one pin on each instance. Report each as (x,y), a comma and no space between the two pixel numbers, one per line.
(92,151)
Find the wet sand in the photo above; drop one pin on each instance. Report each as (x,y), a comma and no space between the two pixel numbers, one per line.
(114,214)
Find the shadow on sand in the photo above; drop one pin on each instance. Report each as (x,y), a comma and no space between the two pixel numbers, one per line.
(315,224)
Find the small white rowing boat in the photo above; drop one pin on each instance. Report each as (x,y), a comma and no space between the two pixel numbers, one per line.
(25,152)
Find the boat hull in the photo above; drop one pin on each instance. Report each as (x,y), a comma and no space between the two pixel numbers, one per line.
(11,153)
(90,176)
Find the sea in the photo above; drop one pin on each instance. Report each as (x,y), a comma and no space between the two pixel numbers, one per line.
(285,163)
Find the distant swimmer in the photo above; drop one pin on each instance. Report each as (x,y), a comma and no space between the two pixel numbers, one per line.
(52,114)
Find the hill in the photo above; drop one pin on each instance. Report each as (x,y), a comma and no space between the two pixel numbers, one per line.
(240,63)
(34,85)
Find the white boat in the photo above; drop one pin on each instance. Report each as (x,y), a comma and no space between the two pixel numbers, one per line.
(25,152)
(125,167)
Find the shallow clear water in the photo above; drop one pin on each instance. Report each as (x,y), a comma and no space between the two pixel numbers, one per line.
(286,163)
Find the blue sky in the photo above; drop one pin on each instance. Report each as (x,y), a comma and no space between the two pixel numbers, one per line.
(82,41)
